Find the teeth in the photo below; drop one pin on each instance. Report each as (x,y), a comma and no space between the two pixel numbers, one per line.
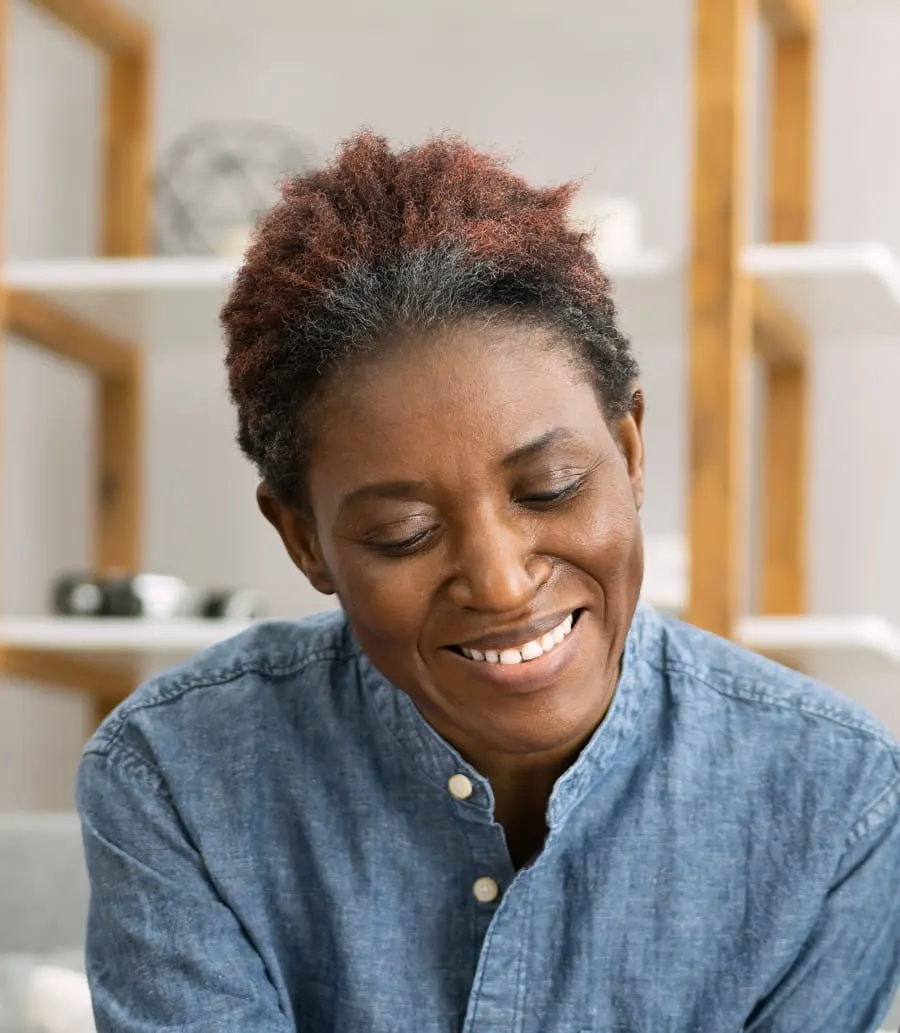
(528,651)
(531,651)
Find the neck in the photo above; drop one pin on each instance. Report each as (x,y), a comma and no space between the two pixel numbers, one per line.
(522,786)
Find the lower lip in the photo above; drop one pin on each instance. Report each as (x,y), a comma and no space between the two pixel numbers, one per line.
(530,675)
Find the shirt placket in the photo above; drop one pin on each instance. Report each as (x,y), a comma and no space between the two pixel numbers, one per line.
(499,898)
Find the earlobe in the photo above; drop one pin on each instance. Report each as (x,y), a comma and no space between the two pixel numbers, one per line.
(298,534)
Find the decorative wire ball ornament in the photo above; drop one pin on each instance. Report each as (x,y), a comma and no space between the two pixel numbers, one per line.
(216,180)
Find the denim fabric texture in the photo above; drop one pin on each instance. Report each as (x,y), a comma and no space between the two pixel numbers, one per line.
(273,847)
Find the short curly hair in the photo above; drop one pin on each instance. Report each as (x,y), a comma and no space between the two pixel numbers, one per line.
(380,242)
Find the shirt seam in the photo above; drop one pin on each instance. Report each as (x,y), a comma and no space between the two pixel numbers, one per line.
(875,815)
(877,812)
(181,686)
(133,761)
(760,695)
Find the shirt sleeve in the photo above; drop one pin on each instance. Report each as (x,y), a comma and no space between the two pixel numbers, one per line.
(849,969)
(164,951)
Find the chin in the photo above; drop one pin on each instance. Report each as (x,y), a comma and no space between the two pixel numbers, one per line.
(556,722)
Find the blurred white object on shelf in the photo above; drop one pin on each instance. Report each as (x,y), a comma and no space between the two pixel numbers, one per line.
(616,223)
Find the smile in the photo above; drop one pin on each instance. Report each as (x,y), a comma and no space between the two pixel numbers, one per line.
(527,651)
(530,666)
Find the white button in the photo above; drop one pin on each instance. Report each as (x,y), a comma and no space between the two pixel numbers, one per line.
(460,787)
(486,890)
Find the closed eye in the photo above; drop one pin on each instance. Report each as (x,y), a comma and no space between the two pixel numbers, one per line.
(403,547)
(551,498)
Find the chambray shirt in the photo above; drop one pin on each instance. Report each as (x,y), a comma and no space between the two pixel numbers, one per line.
(275,844)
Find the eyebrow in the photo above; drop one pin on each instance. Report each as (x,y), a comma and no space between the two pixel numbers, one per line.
(385,490)
(416,489)
(539,444)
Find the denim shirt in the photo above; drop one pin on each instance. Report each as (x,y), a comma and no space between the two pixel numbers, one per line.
(275,844)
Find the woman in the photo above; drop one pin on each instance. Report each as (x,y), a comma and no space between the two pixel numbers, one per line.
(494,793)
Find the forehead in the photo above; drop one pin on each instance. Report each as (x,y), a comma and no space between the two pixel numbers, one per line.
(439,409)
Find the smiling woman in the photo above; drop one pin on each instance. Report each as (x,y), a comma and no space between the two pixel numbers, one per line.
(493,792)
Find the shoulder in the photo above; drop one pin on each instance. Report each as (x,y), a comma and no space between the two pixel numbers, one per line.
(773,728)
(247,679)
(715,667)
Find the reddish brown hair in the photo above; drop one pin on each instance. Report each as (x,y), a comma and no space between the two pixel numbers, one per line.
(379,240)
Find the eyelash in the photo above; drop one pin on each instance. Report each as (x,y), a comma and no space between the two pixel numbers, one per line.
(398,549)
(555,498)
(547,500)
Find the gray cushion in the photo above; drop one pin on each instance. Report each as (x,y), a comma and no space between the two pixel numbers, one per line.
(43,883)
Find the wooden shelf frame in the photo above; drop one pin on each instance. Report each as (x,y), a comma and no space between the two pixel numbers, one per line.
(732,317)
(125,46)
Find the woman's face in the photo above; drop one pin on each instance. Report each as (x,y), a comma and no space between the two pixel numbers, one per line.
(470,496)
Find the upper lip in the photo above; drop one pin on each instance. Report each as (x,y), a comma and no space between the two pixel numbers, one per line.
(518,636)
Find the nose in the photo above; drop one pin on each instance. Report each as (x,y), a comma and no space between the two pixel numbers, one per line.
(497,568)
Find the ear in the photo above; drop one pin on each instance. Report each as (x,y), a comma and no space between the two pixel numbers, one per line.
(298,533)
(631,442)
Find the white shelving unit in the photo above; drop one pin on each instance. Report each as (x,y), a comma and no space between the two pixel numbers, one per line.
(172,302)
(160,302)
(115,635)
(817,636)
(665,587)
(798,638)
(835,290)
(846,290)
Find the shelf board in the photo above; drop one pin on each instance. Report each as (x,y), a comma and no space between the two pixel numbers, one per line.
(175,302)
(68,276)
(115,635)
(838,291)
(817,636)
(796,638)
(848,291)
(155,302)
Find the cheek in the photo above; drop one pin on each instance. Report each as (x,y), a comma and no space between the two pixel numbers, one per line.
(386,602)
(602,534)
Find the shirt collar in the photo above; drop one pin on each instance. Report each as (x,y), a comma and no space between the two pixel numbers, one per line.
(432,756)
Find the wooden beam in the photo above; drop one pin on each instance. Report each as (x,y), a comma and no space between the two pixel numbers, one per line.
(104,682)
(117,540)
(784,541)
(47,324)
(783,588)
(789,19)
(777,337)
(104,25)
(4,65)
(720,334)
(126,228)
(127,187)
(791,141)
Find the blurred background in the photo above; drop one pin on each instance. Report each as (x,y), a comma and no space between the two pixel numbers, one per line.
(243,92)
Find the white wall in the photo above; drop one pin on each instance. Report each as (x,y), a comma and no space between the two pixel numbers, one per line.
(567,89)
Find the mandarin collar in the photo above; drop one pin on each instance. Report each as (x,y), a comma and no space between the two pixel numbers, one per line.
(430,755)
